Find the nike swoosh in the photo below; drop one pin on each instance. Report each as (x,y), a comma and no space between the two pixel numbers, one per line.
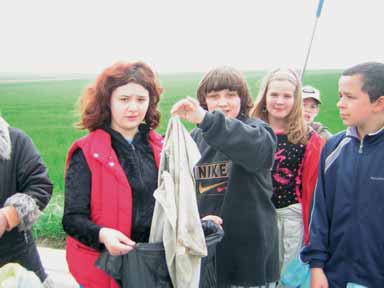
(203,189)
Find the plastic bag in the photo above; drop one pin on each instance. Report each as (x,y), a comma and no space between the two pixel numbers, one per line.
(14,275)
(146,267)
(296,274)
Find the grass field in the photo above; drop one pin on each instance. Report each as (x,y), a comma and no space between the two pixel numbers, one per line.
(45,110)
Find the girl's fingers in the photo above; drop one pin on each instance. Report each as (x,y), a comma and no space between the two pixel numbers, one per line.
(176,107)
(121,248)
(183,106)
(125,240)
(193,101)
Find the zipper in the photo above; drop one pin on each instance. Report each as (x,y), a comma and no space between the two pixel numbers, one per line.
(139,166)
(25,237)
(361,146)
(355,214)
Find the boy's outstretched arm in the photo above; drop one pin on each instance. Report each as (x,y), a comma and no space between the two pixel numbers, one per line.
(251,145)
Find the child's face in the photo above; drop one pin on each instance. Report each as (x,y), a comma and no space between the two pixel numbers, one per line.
(280,99)
(225,101)
(354,105)
(311,109)
(129,105)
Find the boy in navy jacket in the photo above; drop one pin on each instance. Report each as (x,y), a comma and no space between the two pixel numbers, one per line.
(346,231)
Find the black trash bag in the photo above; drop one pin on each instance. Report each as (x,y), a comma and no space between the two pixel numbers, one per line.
(146,267)
(213,235)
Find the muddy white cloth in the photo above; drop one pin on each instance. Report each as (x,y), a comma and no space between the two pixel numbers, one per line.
(176,220)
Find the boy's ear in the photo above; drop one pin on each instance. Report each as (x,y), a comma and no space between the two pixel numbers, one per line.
(379,103)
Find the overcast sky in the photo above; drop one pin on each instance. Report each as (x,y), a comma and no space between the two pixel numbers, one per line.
(81,36)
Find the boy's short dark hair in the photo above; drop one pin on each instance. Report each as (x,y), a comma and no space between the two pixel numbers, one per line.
(372,75)
(222,78)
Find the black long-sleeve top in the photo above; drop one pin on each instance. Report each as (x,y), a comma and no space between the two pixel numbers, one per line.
(137,160)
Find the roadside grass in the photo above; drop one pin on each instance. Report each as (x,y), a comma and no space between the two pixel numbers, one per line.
(45,110)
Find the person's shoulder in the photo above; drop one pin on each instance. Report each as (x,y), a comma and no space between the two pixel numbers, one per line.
(317,126)
(82,139)
(95,135)
(156,139)
(254,121)
(88,139)
(321,129)
(18,136)
(334,141)
(22,144)
(257,122)
(17,132)
(336,138)
(155,135)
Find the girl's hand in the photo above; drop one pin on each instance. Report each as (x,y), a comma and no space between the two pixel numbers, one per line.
(318,278)
(115,241)
(189,109)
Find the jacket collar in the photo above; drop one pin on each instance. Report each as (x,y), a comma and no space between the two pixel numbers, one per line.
(369,138)
(142,135)
(5,141)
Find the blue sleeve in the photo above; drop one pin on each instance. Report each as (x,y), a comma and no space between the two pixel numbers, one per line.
(316,251)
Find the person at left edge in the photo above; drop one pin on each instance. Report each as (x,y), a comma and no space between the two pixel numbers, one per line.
(112,172)
(25,190)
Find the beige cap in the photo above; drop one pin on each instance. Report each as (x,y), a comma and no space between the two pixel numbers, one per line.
(311,92)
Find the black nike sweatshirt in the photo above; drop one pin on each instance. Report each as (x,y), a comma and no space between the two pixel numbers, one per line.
(233,180)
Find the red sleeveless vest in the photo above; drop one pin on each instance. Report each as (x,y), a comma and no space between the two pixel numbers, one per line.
(111,203)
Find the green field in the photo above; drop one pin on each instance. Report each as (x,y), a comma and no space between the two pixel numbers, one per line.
(46,111)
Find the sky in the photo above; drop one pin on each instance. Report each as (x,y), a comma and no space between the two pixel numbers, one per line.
(83,36)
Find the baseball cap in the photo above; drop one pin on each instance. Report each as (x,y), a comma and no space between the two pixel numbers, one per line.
(311,92)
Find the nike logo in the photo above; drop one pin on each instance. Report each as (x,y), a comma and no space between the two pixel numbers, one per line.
(203,189)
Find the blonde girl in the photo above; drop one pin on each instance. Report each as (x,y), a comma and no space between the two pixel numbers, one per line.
(294,172)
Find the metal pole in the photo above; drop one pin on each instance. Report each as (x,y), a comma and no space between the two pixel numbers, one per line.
(318,13)
(309,49)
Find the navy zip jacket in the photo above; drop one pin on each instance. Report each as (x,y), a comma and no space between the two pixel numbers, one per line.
(346,229)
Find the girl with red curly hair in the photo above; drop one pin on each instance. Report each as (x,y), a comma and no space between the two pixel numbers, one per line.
(111,173)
